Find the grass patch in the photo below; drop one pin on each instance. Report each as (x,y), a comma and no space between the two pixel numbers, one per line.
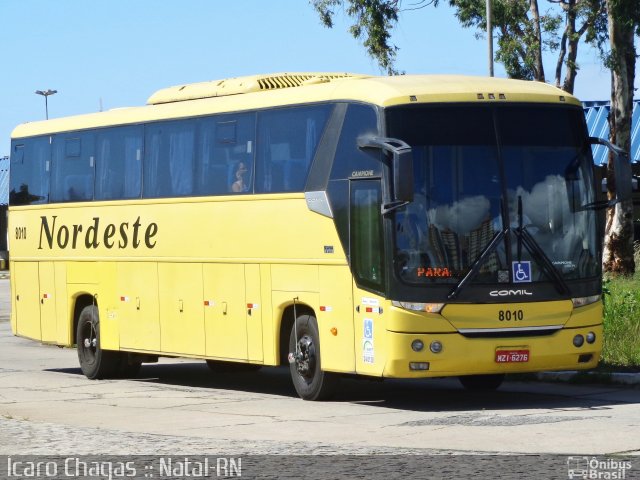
(621,350)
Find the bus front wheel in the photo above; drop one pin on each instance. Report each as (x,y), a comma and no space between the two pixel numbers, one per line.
(309,380)
(95,362)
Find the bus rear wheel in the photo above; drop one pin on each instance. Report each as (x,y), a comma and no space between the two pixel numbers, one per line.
(482,382)
(95,362)
(309,380)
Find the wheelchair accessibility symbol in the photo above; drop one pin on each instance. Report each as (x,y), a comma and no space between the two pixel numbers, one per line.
(521,272)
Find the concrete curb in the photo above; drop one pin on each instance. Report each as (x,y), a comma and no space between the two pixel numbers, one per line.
(574,376)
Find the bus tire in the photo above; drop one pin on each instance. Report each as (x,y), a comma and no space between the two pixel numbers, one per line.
(95,362)
(309,380)
(482,382)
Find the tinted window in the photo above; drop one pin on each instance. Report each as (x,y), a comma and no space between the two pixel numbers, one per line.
(169,159)
(360,120)
(366,233)
(287,140)
(224,159)
(30,160)
(118,163)
(73,161)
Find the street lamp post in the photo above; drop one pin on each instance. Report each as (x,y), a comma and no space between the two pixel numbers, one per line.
(490,36)
(45,94)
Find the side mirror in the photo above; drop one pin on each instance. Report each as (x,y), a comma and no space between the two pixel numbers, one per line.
(403,175)
(622,169)
(401,163)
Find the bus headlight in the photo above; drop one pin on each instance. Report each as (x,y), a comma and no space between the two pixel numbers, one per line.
(578,341)
(419,307)
(591,337)
(436,346)
(582,301)
(417,345)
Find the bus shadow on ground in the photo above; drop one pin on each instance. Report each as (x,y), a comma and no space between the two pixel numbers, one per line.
(428,395)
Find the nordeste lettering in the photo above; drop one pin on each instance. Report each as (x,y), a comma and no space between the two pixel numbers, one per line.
(125,234)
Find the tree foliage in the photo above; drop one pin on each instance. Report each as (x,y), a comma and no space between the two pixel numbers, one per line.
(373,21)
(522,31)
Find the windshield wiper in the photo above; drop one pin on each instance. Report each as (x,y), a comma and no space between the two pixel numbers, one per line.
(475,268)
(524,239)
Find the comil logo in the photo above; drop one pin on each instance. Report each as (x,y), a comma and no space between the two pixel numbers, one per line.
(596,468)
(509,293)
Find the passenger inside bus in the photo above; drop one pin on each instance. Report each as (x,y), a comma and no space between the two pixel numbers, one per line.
(240,184)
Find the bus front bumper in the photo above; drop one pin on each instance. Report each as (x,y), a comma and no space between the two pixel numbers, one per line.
(473,356)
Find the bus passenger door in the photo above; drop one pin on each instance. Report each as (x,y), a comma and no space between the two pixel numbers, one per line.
(225,310)
(27,299)
(367,265)
(138,312)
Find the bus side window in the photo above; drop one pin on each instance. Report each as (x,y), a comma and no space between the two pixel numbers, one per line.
(29,177)
(169,159)
(233,152)
(118,163)
(73,167)
(360,120)
(367,252)
(210,169)
(287,142)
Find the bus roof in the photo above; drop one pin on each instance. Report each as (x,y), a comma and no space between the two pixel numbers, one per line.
(263,91)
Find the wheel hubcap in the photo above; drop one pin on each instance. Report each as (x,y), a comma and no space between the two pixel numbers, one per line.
(306,357)
(90,340)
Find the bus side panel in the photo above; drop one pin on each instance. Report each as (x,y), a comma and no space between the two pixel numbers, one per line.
(181,308)
(370,331)
(270,335)
(335,320)
(48,295)
(138,312)
(27,293)
(64,317)
(255,312)
(225,311)
(14,328)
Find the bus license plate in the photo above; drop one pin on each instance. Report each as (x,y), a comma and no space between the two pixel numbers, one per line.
(512,356)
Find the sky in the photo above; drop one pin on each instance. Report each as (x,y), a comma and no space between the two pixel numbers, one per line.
(116,53)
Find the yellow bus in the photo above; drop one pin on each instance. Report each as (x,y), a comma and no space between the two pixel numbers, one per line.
(398,227)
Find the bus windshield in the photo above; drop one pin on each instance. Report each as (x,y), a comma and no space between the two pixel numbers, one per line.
(482,170)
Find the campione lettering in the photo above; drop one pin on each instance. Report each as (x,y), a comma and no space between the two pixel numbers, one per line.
(54,234)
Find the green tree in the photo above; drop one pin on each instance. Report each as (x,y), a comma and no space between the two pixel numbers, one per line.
(522,32)
(583,18)
(373,22)
(623,26)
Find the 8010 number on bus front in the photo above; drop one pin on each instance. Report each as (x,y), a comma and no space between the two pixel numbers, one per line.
(510,315)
